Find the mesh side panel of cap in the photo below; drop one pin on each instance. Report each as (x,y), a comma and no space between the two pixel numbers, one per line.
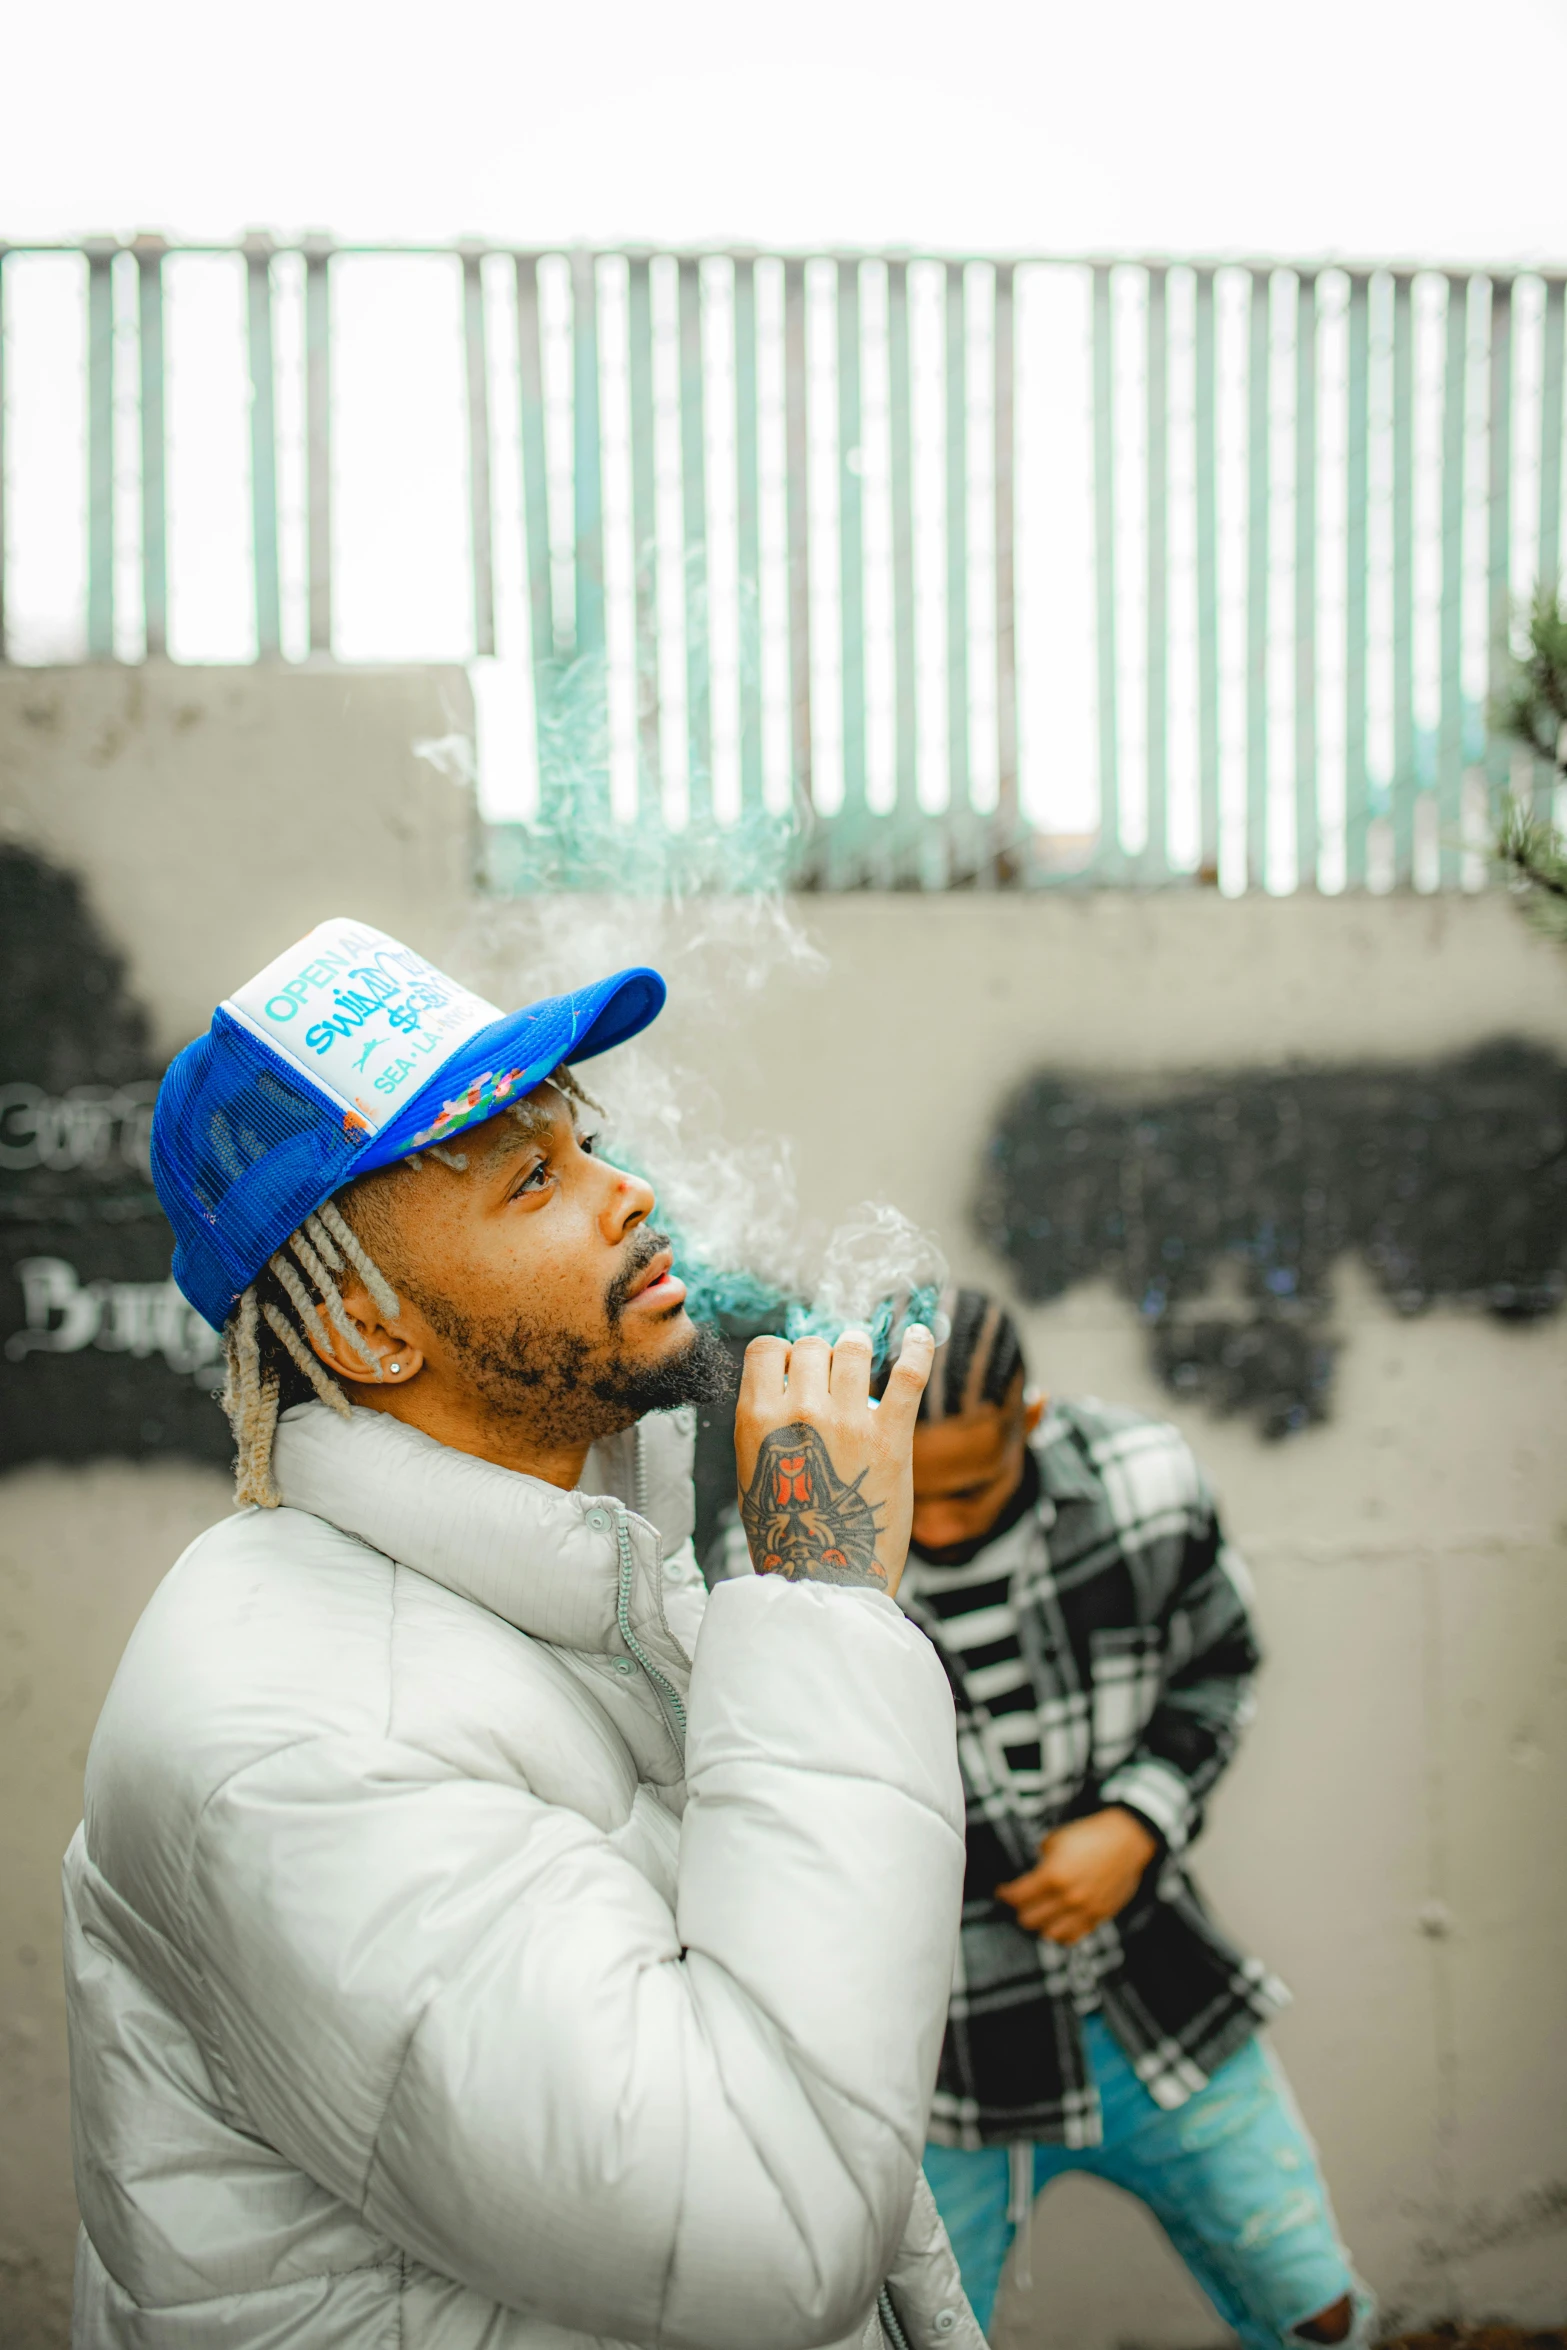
(240,1156)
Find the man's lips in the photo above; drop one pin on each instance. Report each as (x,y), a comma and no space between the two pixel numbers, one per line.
(658,1285)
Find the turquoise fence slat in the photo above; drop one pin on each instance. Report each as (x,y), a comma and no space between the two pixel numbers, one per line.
(1206,489)
(1155,859)
(1499,426)
(644,527)
(851,560)
(535,482)
(590,681)
(154,487)
(1549,566)
(1109,857)
(1551,437)
(1357,791)
(587,484)
(798,496)
(100,454)
(1004,350)
(1258,506)
(1405,782)
(693,476)
(263,448)
(748,541)
(1450,616)
(476,371)
(1217,545)
(1306,812)
(957,536)
(318,445)
(901,438)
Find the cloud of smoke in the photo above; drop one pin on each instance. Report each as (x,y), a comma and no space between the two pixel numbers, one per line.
(877,1272)
(706,905)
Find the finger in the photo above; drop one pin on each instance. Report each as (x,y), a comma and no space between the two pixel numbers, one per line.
(850,1374)
(906,1380)
(1049,1910)
(1051,1899)
(1047,1890)
(1024,1888)
(808,1363)
(1052,1923)
(762,1380)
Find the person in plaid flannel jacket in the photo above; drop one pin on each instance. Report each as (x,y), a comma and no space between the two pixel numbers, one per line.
(1069,1567)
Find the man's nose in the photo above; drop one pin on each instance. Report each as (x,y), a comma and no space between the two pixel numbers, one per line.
(628,1202)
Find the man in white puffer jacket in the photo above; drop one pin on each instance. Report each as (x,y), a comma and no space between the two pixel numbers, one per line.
(478,1939)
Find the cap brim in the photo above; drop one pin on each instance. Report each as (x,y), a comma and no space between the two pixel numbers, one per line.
(502,1063)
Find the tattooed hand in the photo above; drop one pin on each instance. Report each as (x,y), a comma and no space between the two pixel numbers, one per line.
(826,1478)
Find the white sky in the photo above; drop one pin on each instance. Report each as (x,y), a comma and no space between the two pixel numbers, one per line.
(1371,127)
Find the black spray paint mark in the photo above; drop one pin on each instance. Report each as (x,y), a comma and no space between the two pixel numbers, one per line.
(99,1354)
(1448,1180)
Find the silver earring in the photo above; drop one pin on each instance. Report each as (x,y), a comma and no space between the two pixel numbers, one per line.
(394,1368)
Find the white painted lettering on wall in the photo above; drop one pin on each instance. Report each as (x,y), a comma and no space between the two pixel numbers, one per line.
(87,1126)
(65,1315)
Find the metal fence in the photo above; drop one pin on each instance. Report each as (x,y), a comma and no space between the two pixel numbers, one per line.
(942,571)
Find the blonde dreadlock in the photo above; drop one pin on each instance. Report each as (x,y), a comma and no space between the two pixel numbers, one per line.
(250,1400)
(325,1247)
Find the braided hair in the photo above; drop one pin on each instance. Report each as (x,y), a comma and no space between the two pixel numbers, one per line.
(977,1361)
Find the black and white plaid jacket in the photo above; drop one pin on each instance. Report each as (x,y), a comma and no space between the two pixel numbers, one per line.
(1132,1617)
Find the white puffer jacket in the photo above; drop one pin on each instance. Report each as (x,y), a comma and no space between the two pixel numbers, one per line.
(424,1993)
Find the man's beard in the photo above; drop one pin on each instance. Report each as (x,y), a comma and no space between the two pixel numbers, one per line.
(565,1389)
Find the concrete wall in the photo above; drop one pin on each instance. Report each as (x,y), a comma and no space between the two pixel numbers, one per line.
(218,809)
(1389,1839)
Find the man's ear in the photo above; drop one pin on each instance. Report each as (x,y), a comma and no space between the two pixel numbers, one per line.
(1034,1402)
(393,1361)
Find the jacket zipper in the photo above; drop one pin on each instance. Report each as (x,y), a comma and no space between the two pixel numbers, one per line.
(889,2320)
(639,1470)
(668,1695)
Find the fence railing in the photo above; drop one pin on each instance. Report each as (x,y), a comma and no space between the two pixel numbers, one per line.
(915,571)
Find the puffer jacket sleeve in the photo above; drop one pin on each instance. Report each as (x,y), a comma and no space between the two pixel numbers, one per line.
(465,2013)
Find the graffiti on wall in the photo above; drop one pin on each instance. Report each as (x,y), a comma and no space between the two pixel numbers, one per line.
(99,1353)
(1220,1205)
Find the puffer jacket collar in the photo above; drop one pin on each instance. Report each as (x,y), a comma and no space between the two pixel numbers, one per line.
(551,1563)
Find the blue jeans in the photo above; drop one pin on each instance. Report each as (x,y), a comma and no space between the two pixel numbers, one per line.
(1231,2176)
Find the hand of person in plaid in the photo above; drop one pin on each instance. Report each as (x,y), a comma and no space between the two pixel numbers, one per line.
(1088,1871)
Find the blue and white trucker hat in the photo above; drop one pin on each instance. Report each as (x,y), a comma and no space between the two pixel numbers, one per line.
(347,1052)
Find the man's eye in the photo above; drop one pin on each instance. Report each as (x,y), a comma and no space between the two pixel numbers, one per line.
(588,1144)
(536,1178)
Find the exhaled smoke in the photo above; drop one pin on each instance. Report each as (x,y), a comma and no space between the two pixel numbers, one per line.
(878,1272)
(705,904)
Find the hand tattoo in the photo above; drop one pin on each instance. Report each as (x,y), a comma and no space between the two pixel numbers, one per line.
(801,1519)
